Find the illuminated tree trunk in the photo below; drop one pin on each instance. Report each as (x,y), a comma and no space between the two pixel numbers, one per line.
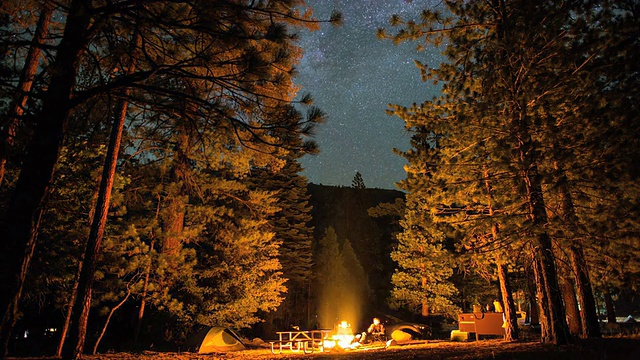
(76,281)
(571,305)
(554,325)
(542,300)
(175,204)
(511,320)
(588,315)
(78,329)
(22,218)
(173,226)
(16,109)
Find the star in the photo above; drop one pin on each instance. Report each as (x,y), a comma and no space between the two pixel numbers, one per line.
(353,77)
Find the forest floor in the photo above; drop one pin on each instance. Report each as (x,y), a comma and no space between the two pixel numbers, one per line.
(608,348)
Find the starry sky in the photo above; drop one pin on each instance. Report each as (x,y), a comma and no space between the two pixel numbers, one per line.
(353,76)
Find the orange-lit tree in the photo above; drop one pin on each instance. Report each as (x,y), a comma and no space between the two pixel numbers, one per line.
(223,64)
(424,254)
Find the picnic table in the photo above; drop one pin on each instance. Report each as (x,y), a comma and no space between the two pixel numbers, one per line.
(306,341)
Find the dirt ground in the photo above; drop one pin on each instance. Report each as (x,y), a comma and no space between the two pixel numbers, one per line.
(601,349)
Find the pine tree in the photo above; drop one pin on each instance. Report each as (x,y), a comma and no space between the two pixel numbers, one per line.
(425,265)
(358,182)
(10,121)
(501,83)
(249,58)
(291,227)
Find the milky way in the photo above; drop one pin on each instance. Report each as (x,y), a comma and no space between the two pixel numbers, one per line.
(353,76)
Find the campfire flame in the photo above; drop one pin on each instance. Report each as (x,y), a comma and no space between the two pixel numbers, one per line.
(343,337)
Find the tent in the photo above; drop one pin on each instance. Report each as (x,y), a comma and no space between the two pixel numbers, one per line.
(215,339)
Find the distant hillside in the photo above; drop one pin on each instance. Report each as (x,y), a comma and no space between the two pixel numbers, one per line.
(345,209)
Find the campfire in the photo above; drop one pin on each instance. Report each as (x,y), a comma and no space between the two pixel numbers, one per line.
(342,337)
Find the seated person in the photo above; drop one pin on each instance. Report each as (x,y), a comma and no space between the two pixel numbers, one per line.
(375,332)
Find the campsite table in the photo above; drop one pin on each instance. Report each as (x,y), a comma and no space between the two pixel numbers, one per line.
(300,340)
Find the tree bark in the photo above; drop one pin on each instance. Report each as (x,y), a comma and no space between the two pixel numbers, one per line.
(173,214)
(608,303)
(16,109)
(542,300)
(534,315)
(588,315)
(571,305)
(511,320)
(546,278)
(82,306)
(22,218)
(552,316)
(76,281)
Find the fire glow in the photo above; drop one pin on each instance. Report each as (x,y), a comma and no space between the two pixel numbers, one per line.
(343,337)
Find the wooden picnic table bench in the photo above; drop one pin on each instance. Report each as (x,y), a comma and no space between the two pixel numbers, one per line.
(306,341)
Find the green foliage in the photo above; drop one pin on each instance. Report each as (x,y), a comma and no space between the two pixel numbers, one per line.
(425,265)
(525,101)
(292,228)
(211,99)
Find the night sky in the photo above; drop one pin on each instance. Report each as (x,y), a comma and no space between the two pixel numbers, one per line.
(353,76)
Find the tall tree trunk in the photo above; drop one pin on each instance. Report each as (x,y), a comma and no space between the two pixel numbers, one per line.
(588,315)
(173,226)
(82,306)
(558,323)
(546,280)
(534,315)
(511,320)
(542,298)
(608,303)
(173,214)
(22,218)
(76,281)
(571,305)
(19,102)
(552,316)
